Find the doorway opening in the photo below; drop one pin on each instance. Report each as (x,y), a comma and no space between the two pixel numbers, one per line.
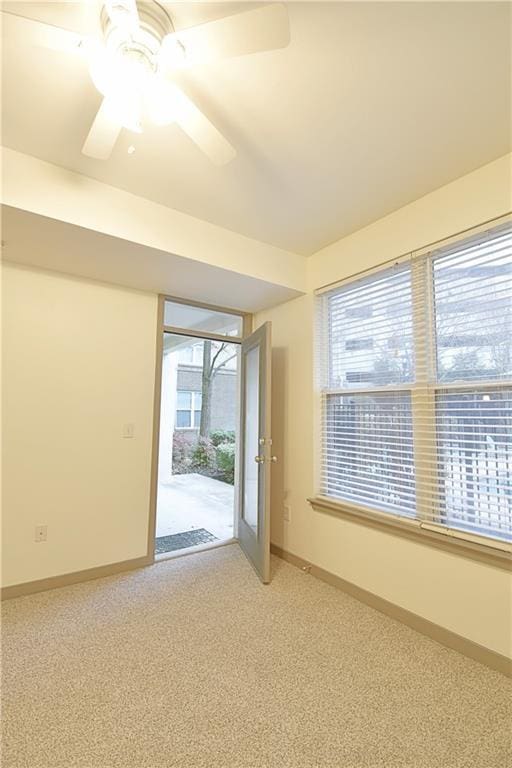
(199,420)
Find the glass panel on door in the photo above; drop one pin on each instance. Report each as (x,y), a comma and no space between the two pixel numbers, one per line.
(256,451)
(251,438)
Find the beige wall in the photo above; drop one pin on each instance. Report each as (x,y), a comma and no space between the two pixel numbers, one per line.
(466,597)
(79,362)
(57,193)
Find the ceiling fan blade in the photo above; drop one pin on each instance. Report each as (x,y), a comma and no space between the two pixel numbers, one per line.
(202,132)
(123,14)
(261,29)
(37,33)
(103,135)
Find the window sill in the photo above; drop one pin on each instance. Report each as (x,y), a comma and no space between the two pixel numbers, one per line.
(499,556)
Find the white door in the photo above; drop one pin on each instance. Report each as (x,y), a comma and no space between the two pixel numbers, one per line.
(255,451)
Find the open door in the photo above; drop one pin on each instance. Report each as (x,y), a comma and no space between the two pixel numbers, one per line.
(255,451)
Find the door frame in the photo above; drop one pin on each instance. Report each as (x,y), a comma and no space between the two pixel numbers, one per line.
(161,328)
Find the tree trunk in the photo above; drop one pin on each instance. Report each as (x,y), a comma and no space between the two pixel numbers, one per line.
(206,406)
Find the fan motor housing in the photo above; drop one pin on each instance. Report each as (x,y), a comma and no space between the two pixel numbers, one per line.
(154,24)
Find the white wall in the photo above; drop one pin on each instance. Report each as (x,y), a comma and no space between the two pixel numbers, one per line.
(79,362)
(467,597)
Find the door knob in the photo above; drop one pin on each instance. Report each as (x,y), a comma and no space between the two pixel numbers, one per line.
(259,459)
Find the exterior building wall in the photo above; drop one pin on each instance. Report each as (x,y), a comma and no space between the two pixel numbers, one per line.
(167,416)
(224,395)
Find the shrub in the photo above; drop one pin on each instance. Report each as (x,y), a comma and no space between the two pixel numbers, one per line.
(203,455)
(181,454)
(220,436)
(226,462)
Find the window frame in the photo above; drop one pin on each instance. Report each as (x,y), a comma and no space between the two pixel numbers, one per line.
(198,333)
(427,525)
(359,388)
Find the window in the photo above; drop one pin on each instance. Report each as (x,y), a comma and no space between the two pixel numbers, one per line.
(202,319)
(354,345)
(188,410)
(416,381)
(191,355)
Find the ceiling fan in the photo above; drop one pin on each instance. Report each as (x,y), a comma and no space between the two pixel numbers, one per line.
(132,61)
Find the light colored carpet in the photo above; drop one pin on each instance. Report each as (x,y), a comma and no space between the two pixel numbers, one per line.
(194,664)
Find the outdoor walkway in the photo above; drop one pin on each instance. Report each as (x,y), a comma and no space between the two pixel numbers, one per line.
(194,501)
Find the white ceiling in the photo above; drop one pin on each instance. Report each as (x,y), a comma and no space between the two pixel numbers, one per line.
(371,106)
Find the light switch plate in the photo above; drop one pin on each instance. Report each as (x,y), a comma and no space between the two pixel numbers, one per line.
(41,533)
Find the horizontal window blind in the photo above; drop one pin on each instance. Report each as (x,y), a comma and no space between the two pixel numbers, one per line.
(415,367)
(473,311)
(370,332)
(369,450)
(474,459)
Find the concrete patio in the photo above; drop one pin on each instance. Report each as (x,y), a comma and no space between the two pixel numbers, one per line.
(194,501)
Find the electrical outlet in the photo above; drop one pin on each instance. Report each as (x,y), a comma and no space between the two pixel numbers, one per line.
(128,430)
(287,513)
(41,533)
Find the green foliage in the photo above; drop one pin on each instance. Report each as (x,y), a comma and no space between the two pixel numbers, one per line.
(226,461)
(220,436)
(203,455)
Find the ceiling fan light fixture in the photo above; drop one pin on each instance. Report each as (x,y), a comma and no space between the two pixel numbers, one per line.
(123,15)
(160,102)
(122,70)
(172,53)
(101,68)
(125,110)
(139,47)
(123,77)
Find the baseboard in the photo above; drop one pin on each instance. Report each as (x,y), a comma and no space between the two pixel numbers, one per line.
(66,579)
(435,632)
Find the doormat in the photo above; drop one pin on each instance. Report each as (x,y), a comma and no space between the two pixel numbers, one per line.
(183,540)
